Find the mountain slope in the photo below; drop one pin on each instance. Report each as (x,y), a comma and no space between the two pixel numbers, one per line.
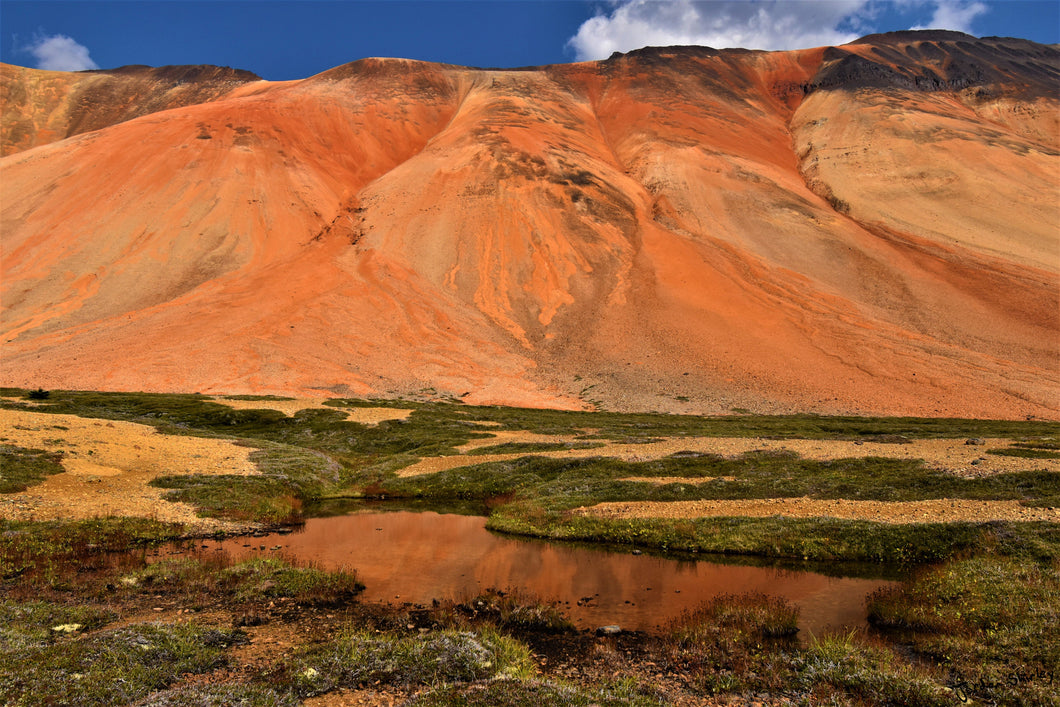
(869,228)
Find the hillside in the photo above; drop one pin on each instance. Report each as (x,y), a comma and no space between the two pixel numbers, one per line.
(870,228)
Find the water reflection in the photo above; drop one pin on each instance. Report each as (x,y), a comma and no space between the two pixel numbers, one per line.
(416,557)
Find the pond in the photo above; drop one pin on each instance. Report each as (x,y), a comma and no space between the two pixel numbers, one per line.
(415,557)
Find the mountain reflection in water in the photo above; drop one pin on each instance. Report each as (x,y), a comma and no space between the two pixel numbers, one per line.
(419,556)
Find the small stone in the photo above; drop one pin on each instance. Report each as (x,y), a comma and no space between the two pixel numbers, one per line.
(610,630)
(637,552)
(975,441)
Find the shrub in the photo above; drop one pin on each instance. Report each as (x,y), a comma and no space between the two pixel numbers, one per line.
(735,642)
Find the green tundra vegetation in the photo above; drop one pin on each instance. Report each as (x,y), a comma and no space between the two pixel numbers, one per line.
(82,624)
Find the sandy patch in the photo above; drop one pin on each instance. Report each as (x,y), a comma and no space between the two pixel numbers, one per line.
(935,511)
(432,465)
(949,455)
(519,436)
(365,416)
(108,465)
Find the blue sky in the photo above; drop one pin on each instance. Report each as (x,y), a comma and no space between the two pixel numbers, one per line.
(287,39)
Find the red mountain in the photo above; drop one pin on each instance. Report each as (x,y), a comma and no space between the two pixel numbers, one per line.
(871,228)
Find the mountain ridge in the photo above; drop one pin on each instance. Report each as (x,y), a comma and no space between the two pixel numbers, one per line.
(684,230)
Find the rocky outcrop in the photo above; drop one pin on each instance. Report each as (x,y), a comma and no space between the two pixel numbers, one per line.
(39,107)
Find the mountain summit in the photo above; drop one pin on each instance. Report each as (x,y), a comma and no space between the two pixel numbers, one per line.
(870,228)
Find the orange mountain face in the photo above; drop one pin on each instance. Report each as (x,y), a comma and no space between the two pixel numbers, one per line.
(870,229)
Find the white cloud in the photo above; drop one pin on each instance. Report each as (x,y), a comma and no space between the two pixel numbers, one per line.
(751,24)
(955,14)
(60,53)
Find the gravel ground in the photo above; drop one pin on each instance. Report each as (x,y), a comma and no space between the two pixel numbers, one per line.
(933,511)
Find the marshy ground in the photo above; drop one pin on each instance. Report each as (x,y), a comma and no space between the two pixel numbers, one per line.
(969,507)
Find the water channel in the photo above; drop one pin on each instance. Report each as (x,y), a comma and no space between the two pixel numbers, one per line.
(414,557)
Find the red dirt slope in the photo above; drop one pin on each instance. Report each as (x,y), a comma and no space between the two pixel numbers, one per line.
(871,228)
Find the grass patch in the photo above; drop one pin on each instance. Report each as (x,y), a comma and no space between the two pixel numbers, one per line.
(850,669)
(734,643)
(990,621)
(567,483)
(615,426)
(744,645)
(257,580)
(757,616)
(510,610)
(111,667)
(1025,452)
(233,497)
(290,477)
(34,624)
(822,539)
(50,553)
(360,657)
(231,694)
(21,468)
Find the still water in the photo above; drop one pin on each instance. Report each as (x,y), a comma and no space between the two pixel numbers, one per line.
(415,557)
